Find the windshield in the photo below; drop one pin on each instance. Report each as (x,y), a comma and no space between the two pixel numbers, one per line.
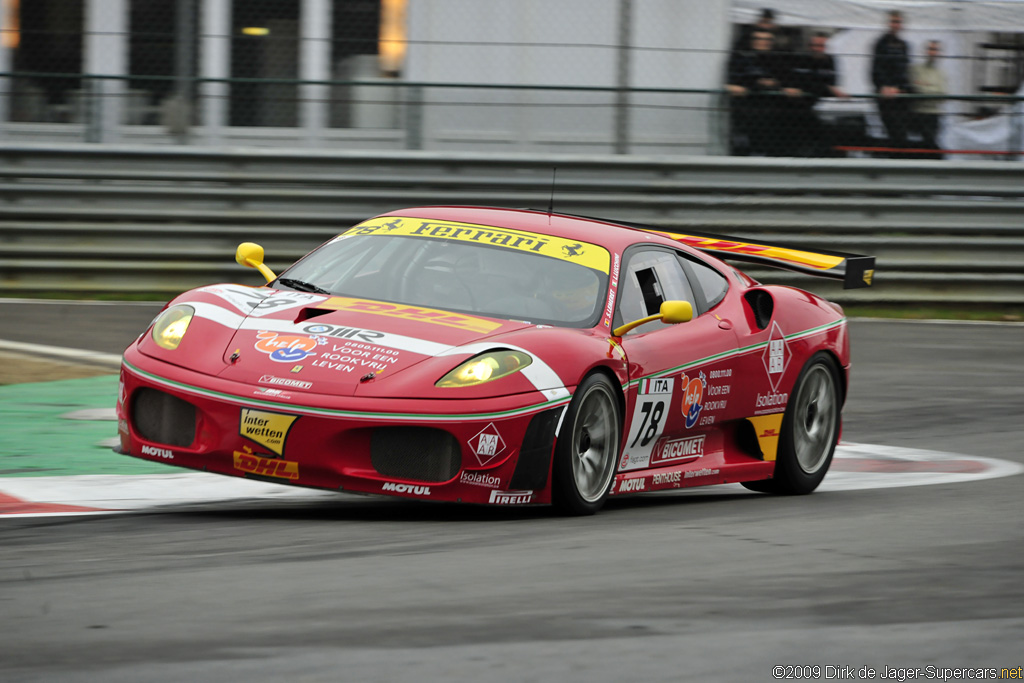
(464,275)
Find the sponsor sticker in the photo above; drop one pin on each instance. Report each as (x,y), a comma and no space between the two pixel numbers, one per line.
(776,356)
(633,485)
(693,397)
(480,479)
(266,467)
(392,487)
(285,382)
(511,497)
(156,452)
(583,253)
(487,444)
(682,450)
(287,348)
(266,428)
(663,478)
(427,315)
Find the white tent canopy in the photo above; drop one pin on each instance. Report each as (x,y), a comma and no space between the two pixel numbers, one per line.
(961,26)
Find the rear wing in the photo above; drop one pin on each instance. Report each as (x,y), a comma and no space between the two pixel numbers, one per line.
(854,270)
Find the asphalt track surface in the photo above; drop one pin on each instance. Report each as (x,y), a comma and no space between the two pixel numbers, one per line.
(716,585)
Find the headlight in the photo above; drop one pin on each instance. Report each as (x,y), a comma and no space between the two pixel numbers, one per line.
(170,326)
(484,368)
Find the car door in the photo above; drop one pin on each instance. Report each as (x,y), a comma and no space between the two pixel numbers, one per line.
(680,375)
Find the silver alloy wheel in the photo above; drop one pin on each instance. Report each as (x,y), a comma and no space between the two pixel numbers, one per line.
(814,418)
(595,443)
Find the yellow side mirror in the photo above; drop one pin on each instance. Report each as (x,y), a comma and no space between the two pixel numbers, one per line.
(250,255)
(671,312)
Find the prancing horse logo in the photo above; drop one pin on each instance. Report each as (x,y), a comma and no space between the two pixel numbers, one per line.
(572,250)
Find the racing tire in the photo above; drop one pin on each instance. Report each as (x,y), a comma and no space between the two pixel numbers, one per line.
(587,449)
(810,431)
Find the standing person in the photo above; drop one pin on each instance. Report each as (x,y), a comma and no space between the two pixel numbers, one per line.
(927,79)
(754,84)
(765,22)
(813,76)
(891,76)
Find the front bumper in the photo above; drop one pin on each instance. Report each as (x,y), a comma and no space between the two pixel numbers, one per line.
(492,451)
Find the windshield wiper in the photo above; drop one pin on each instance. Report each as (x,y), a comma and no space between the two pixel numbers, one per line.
(302,285)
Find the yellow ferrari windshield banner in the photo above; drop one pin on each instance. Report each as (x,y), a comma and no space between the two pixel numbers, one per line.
(808,259)
(582,253)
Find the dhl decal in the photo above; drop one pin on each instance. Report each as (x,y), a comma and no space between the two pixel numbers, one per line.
(267,467)
(796,256)
(427,315)
(767,429)
(854,270)
(582,253)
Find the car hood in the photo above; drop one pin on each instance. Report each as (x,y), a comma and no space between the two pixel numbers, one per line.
(287,342)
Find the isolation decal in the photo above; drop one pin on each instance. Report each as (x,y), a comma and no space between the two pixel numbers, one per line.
(776,357)
(653,399)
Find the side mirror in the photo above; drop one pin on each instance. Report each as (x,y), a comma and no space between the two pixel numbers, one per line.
(671,312)
(250,255)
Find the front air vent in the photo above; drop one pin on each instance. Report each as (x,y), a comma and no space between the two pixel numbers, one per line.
(415,453)
(162,418)
(312,312)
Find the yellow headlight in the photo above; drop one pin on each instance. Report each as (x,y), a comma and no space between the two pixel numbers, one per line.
(484,368)
(171,325)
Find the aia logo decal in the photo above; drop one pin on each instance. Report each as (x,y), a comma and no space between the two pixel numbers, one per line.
(487,444)
(693,397)
(287,348)
(573,250)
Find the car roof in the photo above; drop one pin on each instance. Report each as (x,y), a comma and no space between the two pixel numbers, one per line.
(608,234)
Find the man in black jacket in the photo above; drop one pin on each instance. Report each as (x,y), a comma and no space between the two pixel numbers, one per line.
(813,75)
(890,72)
(754,84)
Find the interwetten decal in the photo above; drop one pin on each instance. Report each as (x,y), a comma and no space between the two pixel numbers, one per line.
(266,429)
(583,253)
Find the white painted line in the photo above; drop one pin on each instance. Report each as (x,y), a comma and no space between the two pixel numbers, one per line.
(75,355)
(856,467)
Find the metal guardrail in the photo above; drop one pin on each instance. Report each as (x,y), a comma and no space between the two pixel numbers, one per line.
(119,219)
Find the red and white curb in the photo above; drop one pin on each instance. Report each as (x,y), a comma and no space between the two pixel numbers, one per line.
(855,467)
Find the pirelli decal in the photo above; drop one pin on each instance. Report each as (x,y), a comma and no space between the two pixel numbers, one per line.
(583,253)
(426,315)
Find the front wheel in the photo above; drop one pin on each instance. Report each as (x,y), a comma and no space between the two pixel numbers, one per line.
(810,431)
(588,448)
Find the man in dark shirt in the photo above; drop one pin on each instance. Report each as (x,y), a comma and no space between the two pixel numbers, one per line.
(754,84)
(890,72)
(813,75)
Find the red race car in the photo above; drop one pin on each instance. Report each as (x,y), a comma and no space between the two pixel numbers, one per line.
(501,357)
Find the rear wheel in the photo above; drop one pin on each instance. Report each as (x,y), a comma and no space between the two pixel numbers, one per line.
(587,448)
(810,430)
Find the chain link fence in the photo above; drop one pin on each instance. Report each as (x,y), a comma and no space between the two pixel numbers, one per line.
(575,76)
